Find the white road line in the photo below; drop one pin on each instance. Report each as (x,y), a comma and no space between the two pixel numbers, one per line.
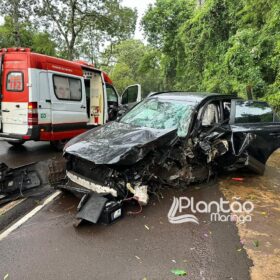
(29,215)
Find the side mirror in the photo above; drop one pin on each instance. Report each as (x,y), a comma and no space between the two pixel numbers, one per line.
(132,94)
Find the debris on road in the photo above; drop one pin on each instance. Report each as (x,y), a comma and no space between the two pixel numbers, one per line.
(22,182)
(179,272)
(256,243)
(238,179)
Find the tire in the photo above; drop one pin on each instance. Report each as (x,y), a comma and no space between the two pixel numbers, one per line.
(16,143)
(59,144)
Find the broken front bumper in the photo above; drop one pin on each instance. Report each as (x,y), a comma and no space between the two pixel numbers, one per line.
(89,184)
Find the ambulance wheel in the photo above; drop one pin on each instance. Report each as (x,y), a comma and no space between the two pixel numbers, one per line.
(59,144)
(16,143)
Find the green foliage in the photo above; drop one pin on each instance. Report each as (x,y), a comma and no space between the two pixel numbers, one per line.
(161,24)
(131,62)
(40,42)
(228,46)
(73,23)
(80,28)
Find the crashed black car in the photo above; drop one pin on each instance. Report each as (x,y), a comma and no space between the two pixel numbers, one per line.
(171,139)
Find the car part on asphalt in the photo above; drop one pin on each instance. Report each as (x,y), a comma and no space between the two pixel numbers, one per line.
(24,181)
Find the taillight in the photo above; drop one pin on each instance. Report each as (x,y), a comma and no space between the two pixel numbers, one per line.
(32,113)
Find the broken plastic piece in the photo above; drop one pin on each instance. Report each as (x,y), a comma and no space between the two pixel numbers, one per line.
(237,179)
(92,208)
(140,193)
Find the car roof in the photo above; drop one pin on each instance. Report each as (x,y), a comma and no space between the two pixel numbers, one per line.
(193,97)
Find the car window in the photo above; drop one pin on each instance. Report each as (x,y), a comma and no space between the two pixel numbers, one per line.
(211,115)
(67,88)
(111,94)
(253,112)
(15,81)
(159,114)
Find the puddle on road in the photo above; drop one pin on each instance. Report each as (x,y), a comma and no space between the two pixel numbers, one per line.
(261,237)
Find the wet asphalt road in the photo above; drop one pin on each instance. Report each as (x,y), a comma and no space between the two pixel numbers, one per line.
(145,245)
(27,153)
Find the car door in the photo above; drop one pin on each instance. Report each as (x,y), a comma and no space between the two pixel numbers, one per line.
(254,126)
(131,96)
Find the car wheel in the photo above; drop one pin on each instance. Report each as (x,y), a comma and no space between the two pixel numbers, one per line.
(16,143)
(59,144)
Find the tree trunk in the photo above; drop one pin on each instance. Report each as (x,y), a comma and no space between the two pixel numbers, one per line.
(16,22)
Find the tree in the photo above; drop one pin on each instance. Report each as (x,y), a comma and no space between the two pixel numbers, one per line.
(227,46)
(40,42)
(71,19)
(131,62)
(18,12)
(161,25)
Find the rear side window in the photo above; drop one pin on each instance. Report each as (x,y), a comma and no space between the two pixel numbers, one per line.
(67,88)
(253,112)
(15,81)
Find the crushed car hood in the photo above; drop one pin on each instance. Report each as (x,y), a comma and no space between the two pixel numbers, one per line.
(118,143)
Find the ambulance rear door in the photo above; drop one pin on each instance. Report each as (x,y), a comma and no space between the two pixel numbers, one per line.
(14,105)
(98,102)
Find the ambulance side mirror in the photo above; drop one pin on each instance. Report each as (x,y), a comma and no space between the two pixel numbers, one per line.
(131,95)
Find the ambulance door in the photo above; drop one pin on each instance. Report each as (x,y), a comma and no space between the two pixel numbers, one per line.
(98,101)
(68,104)
(14,105)
(44,104)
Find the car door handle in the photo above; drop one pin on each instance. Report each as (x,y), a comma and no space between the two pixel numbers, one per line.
(48,100)
(17,106)
(83,107)
(6,111)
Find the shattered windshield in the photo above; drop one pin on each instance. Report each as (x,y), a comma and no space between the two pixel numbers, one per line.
(159,114)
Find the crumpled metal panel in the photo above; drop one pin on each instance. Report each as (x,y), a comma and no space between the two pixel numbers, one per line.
(118,143)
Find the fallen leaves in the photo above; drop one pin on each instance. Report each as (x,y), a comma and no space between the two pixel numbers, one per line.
(179,272)
(256,243)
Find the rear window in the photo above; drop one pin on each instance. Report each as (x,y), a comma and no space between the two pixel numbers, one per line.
(15,81)
(253,112)
(67,88)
